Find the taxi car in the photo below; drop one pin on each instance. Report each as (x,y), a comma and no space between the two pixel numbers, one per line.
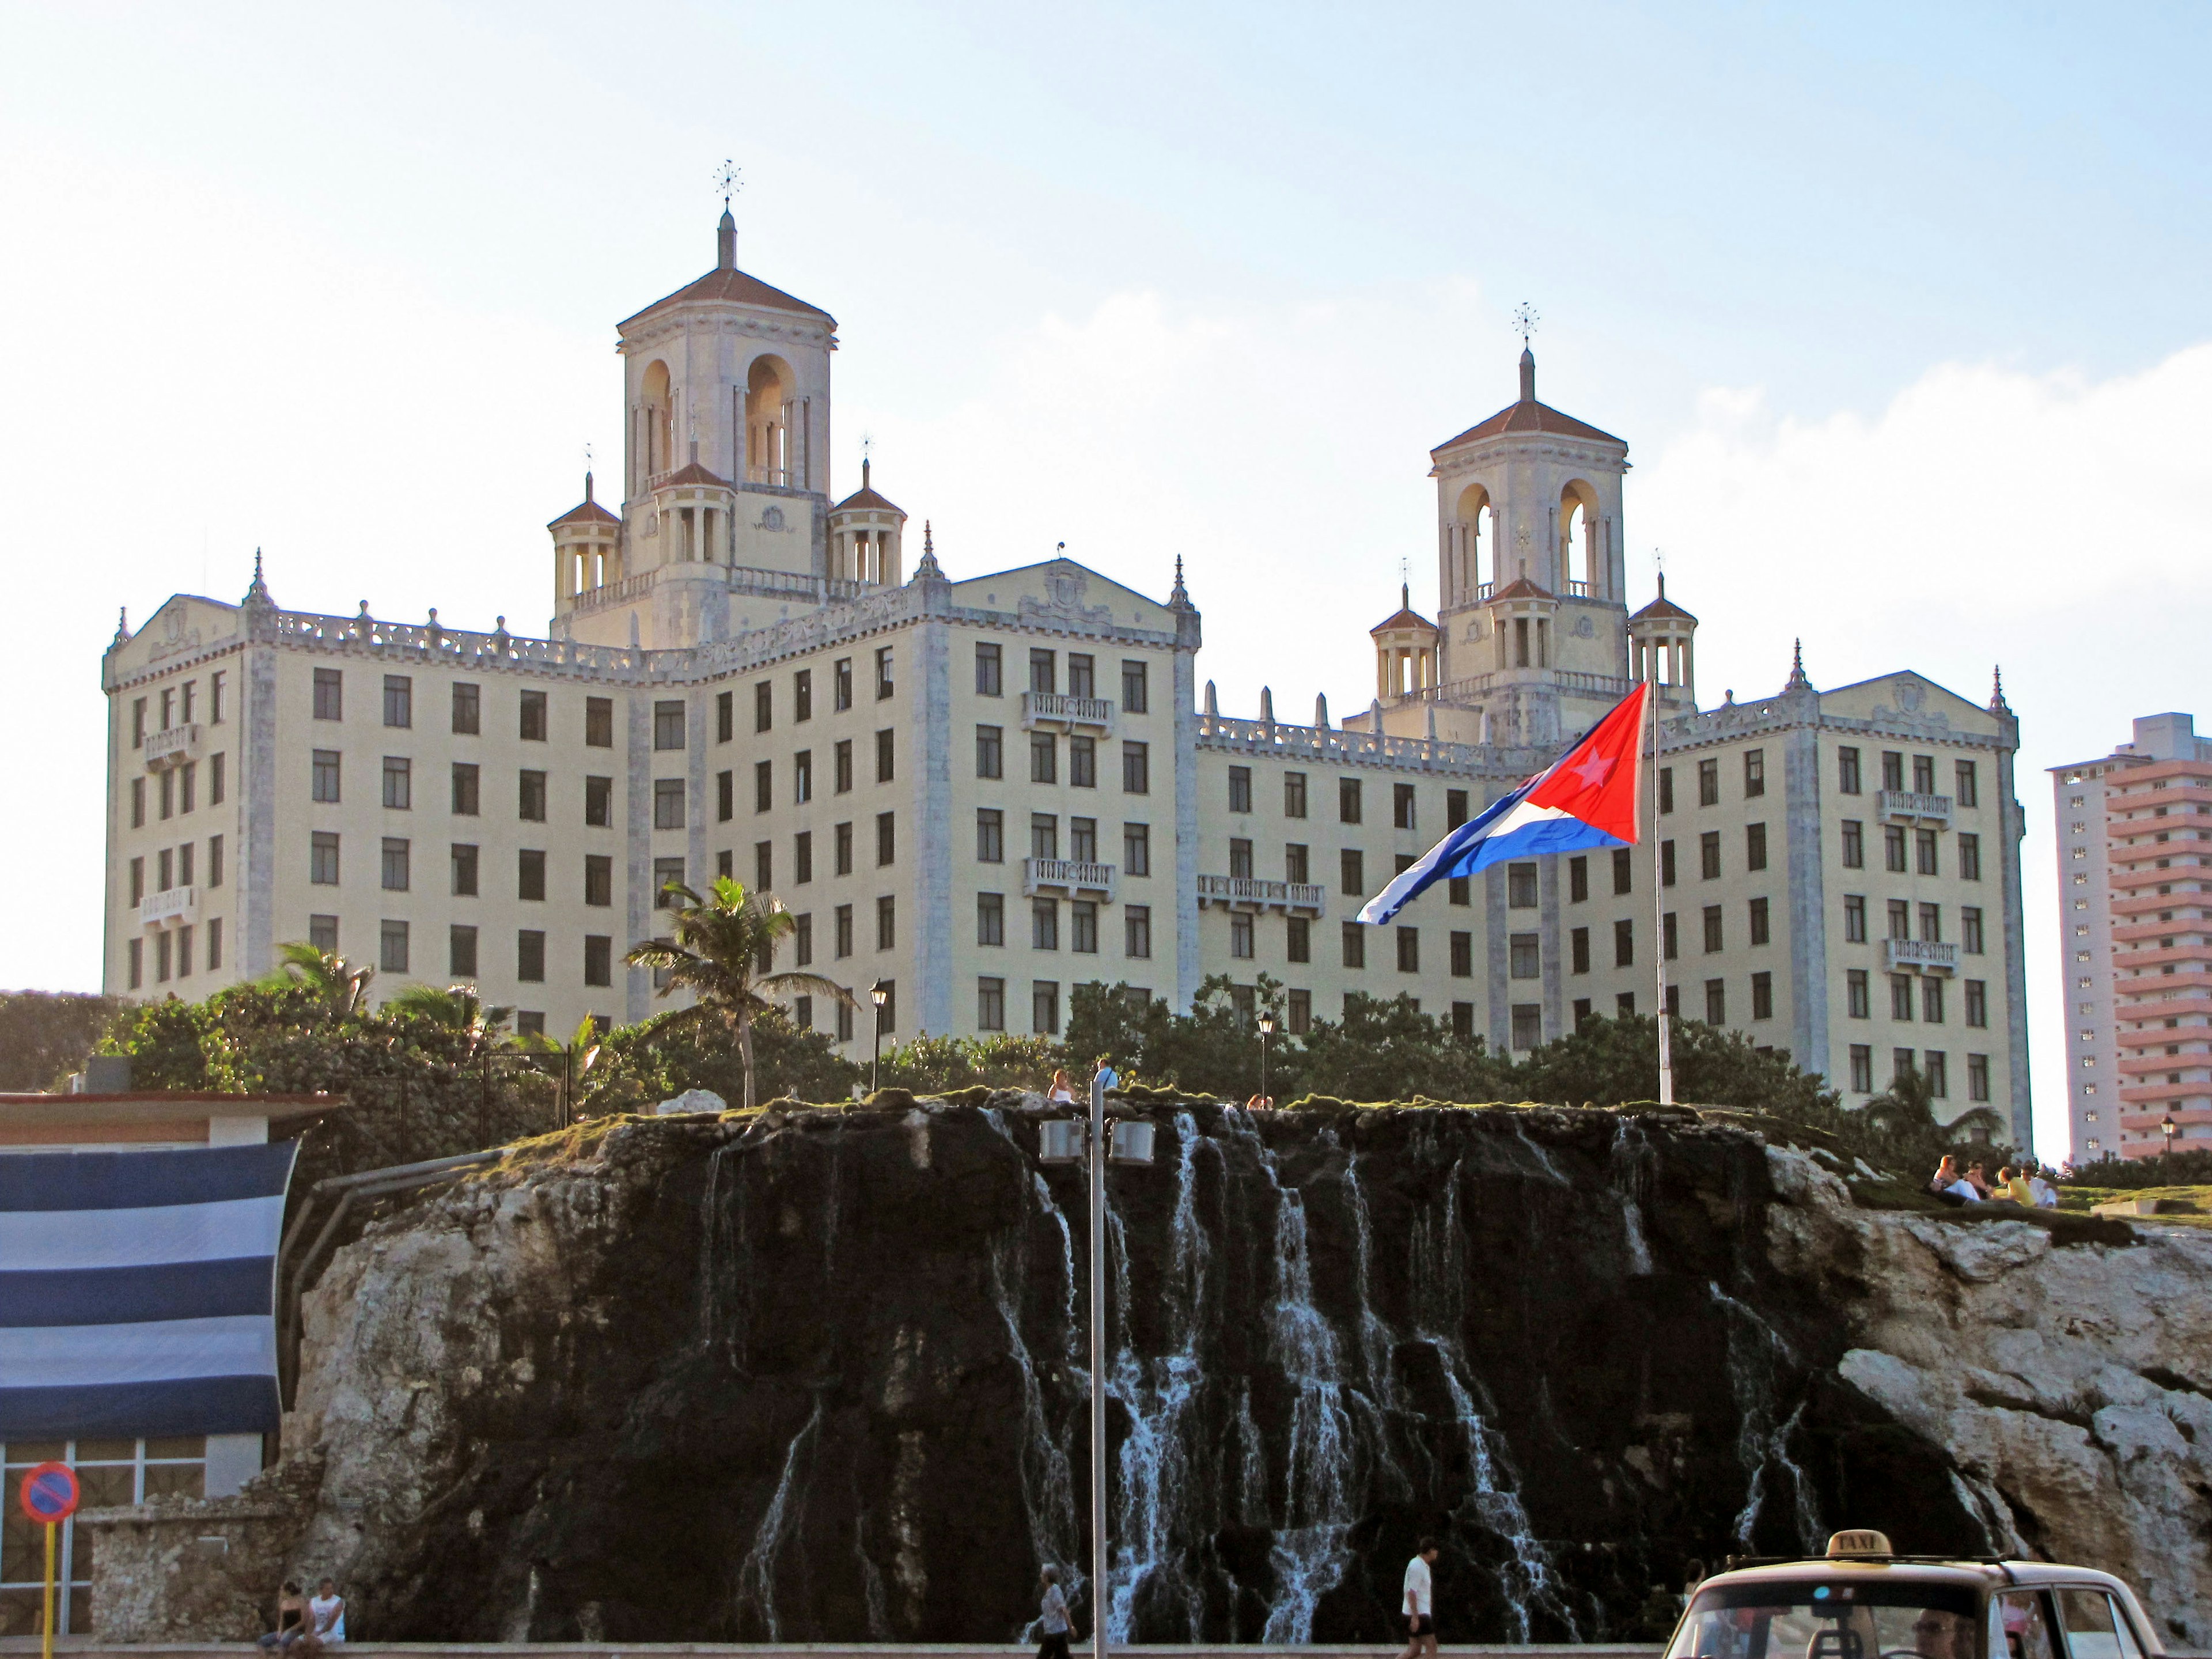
(1864,1601)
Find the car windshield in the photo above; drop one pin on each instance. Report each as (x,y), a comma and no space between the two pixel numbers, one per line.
(1831,1619)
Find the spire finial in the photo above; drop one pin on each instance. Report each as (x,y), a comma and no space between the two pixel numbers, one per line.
(1179,598)
(257,593)
(1797,681)
(122,624)
(728,183)
(928,567)
(867,452)
(1405,596)
(1525,318)
(588,473)
(1997,703)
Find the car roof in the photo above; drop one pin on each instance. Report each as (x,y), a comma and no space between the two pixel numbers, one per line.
(1992,1573)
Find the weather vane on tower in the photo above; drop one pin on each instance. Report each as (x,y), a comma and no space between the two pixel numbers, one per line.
(728,181)
(1525,318)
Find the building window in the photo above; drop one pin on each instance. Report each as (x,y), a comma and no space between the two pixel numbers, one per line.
(843,766)
(1854,844)
(530,875)
(1754,773)
(887,923)
(466,796)
(1892,770)
(1970,856)
(1044,762)
(1754,847)
(465,870)
(1524,956)
(395,865)
(1931,922)
(137,803)
(1762,996)
(330,694)
(214,866)
(802,696)
(802,940)
(841,930)
(215,945)
(1937,1064)
(1665,864)
(398,783)
(988,681)
(1136,849)
(1348,800)
(763,706)
(1900,996)
(1978,1081)
(1669,937)
(990,835)
(598,878)
(534,720)
(886,749)
(1462,956)
(1847,779)
(886,838)
(802,857)
(1083,762)
(802,777)
(1401,807)
(1923,775)
(990,919)
(1355,945)
(1351,873)
(1528,1024)
(529,956)
(323,932)
(1924,847)
(1666,789)
(1136,769)
(1709,855)
(1043,674)
(991,994)
(598,801)
(326,774)
(668,874)
(1578,880)
(1709,783)
(1044,924)
(599,723)
(1298,939)
(1240,935)
(134,950)
(1855,919)
(1861,1067)
(1931,998)
(764,866)
(1294,794)
(1716,1002)
(1409,950)
(1900,919)
(1712,928)
(1578,950)
(1082,674)
(398,700)
(1967,789)
(990,752)
(1137,930)
(1240,789)
(391,951)
(1134,699)
(323,858)
(1892,848)
(1044,1007)
(532,790)
(599,959)
(883,687)
(215,785)
(1624,943)
(1296,869)
(1760,928)
(1520,886)
(841,839)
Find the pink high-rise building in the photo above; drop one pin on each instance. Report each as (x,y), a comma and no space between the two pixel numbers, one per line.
(2135,901)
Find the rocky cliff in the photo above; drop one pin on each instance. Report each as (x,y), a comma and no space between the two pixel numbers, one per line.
(819,1376)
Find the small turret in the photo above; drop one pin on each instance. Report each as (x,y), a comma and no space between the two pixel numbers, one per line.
(1662,648)
(1405,650)
(866,531)
(586,550)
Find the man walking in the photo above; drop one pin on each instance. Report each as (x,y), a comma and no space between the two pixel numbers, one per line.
(1420,1604)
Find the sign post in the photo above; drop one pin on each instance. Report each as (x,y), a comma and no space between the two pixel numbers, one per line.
(49,1496)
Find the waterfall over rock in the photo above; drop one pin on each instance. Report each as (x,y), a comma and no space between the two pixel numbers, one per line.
(821,1375)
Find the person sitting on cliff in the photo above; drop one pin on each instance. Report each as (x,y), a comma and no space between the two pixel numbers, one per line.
(2045,1194)
(1063,1089)
(327,1607)
(1947,1182)
(1977,1177)
(291,1620)
(2013,1184)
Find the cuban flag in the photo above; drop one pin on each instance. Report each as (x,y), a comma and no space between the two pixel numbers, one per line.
(1587,797)
(137,1291)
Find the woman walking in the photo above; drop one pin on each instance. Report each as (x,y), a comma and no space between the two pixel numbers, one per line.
(1053,1624)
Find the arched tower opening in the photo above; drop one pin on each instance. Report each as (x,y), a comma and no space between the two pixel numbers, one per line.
(658,415)
(770,387)
(1471,547)
(1581,541)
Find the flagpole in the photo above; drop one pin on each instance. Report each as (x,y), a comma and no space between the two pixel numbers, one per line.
(1659,897)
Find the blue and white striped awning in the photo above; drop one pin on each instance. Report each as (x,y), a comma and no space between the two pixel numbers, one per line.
(137,1291)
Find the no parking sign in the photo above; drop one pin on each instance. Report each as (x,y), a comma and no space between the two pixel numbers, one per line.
(49,1494)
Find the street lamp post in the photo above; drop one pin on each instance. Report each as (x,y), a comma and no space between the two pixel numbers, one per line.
(1133,1144)
(879,993)
(2168,1128)
(1266,1030)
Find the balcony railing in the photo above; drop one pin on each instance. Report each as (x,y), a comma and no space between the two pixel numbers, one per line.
(1912,805)
(1059,711)
(173,747)
(1294,898)
(1067,879)
(173,904)
(1927,955)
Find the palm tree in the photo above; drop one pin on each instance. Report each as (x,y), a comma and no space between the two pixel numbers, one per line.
(721,952)
(458,1009)
(576,1056)
(337,983)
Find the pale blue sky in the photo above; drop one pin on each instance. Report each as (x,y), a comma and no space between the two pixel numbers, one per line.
(1900,309)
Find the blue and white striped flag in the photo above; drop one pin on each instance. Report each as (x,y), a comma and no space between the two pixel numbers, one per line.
(137,1291)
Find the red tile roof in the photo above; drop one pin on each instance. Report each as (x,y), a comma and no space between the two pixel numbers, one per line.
(1522,588)
(1662,608)
(1529,417)
(693,474)
(733,287)
(869,498)
(584,512)
(1406,618)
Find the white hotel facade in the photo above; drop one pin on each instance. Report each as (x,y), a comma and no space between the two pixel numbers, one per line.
(985,791)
